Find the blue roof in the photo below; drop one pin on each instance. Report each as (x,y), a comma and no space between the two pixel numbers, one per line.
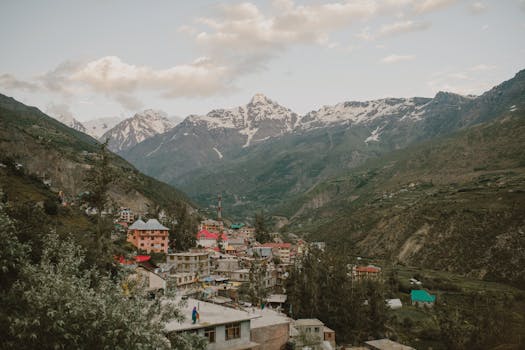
(420,295)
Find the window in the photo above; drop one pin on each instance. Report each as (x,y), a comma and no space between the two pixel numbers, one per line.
(142,244)
(232,331)
(316,329)
(210,334)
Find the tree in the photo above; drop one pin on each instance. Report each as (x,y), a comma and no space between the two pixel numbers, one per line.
(55,304)
(257,289)
(261,231)
(183,227)
(98,181)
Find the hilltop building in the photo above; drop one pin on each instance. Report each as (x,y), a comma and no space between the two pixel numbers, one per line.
(421,297)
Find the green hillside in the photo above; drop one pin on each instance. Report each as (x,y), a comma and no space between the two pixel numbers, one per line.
(50,150)
(456,204)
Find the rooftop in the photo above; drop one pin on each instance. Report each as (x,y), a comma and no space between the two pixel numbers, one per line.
(268,317)
(421,295)
(152,224)
(387,344)
(209,314)
(308,322)
(277,245)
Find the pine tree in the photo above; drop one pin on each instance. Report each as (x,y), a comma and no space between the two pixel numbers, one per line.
(261,231)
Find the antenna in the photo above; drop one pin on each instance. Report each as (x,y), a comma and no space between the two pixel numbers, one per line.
(219,207)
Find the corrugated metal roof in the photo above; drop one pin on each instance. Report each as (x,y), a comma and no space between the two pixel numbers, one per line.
(152,224)
(421,295)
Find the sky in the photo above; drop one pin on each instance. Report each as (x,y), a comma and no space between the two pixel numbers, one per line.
(102,58)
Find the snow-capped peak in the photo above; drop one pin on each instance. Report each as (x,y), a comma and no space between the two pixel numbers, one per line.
(260,98)
(141,126)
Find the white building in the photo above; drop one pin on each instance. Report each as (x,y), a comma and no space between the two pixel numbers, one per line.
(225,328)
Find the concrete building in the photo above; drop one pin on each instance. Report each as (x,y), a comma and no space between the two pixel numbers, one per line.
(207,239)
(190,262)
(225,328)
(281,251)
(213,226)
(271,330)
(149,236)
(309,332)
(369,272)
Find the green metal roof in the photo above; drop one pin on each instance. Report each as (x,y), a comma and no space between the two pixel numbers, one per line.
(418,295)
(236,226)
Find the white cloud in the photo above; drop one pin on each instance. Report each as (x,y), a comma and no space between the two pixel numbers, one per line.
(477,7)
(482,67)
(397,58)
(432,5)
(402,27)
(10,82)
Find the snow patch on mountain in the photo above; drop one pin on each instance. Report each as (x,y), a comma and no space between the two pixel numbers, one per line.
(98,127)
(374,137)
(218,152)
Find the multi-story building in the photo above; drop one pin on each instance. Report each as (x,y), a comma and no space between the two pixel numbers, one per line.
(149,236)
(281,251)
(190,262)
(126,215)
(213,226)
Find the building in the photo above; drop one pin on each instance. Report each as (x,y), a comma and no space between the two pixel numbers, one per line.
(329,336)
(394,304)
(261,252)
(213,226)
(281,251)
(126,215)
(225,328)
(271,330)
(149,236)
(386,344)
(207,239)
(190,262)
(309,332)
(421,297)
(369,272)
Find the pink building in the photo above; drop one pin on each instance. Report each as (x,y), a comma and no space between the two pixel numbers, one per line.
(150,236)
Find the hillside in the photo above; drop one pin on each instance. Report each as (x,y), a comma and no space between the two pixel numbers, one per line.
(323,144)
(456,203)
(50,150)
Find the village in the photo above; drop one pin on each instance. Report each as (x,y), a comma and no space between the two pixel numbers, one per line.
(233,288)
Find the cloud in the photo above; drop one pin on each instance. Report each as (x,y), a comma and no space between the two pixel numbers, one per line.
(402,27)
(477,8)
(397,58)
(9,82)
(61,112)
(482,68)
(432,5)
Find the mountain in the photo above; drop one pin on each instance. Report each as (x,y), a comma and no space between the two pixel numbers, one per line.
(98,127)
(455,203)
(208,139)
(140,127)
(258,156)
(47,149)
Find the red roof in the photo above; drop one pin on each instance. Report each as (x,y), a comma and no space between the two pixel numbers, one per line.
(205,234)
(136,259)
(142,258)
(277,245)
(368,269)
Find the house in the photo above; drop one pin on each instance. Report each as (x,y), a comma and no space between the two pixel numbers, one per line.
(190,262)
(394,304)
(329,336)
(213,226)
(271,330)
(126,215)
(209,239)
(150,236)
(386,344)
(308,332)
(261,252)
(280,250)
(225,328)
(369,272)
(421,297)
